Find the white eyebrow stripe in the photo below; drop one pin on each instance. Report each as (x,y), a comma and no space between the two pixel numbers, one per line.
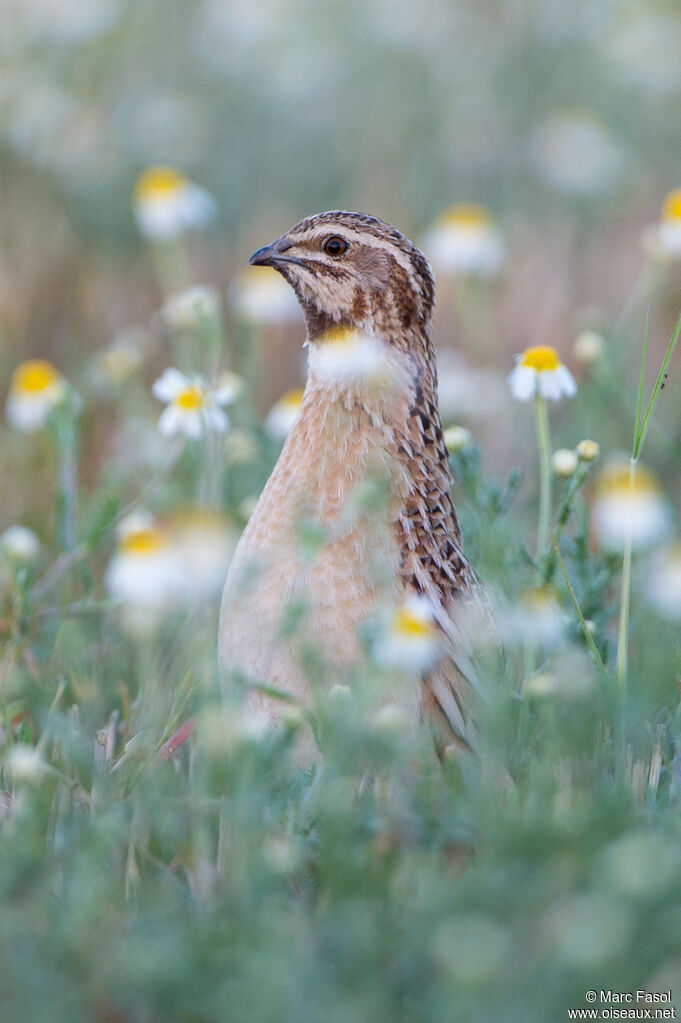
(360,236)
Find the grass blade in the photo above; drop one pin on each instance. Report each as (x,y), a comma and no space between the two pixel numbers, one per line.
(641,379)
(642,427)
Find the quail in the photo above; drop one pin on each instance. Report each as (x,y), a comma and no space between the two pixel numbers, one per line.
(355,276)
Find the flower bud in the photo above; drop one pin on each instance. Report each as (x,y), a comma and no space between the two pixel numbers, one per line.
(25,763)
(587,450)
(564,463)
(20,545)
(457,438)
(588,347)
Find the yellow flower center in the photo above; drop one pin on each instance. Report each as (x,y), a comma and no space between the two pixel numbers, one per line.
(539,600)
(291,399)
(158,183)
(540,358)
(338,336)
(469,216)
(407,623)
(672,206)
(190,400)
(615,481)
(35,376)
(143,541)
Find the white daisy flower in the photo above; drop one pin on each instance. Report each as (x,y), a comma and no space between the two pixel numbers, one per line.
(642,46)
(204,542)
(539,371)
(24,763)
(282,854)
(283,414)
(564,463)
(228,388)
(145,574)
(588,347)
(409,639)
(241,447)
(535,617)
(221,732)
(190,309)
(569,675)
(345,356)
(120,361)
(621,510)
(663,240)
(465,241)
(36,389)
(457,438)
(167,204)
(664,583)
(393,719)
(264,298)
(192,408)
(576,155)
(247,506)
(460,386)
(20,545)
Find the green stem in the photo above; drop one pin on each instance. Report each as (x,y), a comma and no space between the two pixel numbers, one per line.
(172,267)
(544,447)
(578,611)
(622,667)
(209,476)
(573,489)
(67,492)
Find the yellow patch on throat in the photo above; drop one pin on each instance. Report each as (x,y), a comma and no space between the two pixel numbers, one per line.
(540,358)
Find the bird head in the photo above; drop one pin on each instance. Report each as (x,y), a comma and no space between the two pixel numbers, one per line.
(352,270)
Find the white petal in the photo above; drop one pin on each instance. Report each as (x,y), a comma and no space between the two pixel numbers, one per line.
(170,422)
(646,518)
(191,424)
(523,383)
(169,385)
(159,219)
(264,298)
(550,385)
(567,382)
(225,394)
(456,250)
(198,206)
(151,580)
(280,420)
(216,419)
(669,235)
(27,414)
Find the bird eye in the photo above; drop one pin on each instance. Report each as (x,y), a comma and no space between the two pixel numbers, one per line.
(335,246)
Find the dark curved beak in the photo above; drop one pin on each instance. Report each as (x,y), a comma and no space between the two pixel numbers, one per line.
(270,255)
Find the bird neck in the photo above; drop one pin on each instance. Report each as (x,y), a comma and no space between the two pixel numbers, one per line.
(389,383)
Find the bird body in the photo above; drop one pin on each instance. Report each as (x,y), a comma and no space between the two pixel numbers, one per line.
(376,423)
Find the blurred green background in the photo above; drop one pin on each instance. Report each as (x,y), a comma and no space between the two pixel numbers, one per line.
(562,119)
